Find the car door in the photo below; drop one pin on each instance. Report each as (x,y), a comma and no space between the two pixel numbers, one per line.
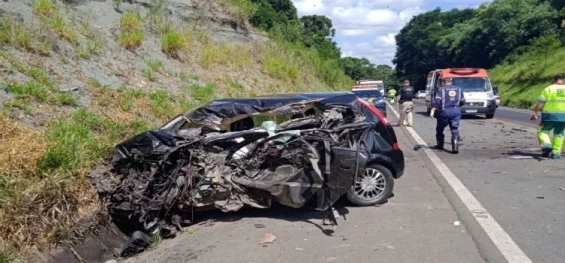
(342,169)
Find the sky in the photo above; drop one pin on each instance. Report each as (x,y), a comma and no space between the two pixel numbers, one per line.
(366,28)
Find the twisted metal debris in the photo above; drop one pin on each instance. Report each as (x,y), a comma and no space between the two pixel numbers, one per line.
(159,178)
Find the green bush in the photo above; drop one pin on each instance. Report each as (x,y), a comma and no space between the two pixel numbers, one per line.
(132,30)
(174,42)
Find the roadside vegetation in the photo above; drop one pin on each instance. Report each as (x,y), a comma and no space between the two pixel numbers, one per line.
(52,133)
(132,30)
(519,40)
(523,75)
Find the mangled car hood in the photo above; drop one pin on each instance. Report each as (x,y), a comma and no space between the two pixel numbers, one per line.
(159,177)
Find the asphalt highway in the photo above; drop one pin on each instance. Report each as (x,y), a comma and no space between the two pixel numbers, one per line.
(495,201)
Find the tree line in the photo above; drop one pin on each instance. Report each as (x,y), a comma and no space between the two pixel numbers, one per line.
(481,37)
(280,19)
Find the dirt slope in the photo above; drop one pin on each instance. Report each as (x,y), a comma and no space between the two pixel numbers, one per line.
(77,76)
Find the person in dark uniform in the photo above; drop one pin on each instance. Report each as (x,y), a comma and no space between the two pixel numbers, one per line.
(447,103)
(405,104)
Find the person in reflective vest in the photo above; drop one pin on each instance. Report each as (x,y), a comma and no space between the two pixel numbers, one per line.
(551,102)
(391,94)
(447,103)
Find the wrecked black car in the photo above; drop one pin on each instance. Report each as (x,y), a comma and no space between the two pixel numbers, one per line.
(292,149)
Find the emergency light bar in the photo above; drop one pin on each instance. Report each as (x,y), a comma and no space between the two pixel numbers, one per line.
(464,71)
(365,86)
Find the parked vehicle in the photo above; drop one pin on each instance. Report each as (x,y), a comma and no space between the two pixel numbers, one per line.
(371,91)
(476,85)
(421,94)
(497,98)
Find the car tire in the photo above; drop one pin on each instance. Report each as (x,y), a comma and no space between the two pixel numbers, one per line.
(429,110)
(489,116)
(377,174)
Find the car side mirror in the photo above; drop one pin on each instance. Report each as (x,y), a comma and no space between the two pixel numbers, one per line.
(495,89)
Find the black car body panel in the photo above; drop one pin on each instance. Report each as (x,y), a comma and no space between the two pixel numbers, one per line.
(159,176)
(220,113)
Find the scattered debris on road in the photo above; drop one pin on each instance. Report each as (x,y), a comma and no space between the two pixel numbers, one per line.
(562,188)
(267,238)
(259,226)
(457,223)
(520,157)
(518,129)
(498,172)
(540,197)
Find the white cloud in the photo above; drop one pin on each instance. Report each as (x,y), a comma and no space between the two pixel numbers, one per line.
(366,28)
(388,40)
(309,7)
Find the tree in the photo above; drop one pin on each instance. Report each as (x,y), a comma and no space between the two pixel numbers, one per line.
(358,68)
(362,68)
(479,38)
(273,12)
(319,26)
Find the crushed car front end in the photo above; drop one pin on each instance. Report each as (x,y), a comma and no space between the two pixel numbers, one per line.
(226,155)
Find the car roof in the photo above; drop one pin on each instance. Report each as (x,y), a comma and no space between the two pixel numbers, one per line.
(222,111)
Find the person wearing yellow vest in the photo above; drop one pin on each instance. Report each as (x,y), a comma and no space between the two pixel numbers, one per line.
(392,94)
(551,102)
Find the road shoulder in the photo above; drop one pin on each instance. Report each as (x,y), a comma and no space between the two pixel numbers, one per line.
(419,224)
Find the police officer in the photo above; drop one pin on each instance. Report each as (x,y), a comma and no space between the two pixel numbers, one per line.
(552,103)
(447,103)
(405,104)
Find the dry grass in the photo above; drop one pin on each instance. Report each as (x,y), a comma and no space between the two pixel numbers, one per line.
(14,158)
(36,209)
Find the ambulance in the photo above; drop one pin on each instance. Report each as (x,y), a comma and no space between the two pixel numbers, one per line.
(480,98)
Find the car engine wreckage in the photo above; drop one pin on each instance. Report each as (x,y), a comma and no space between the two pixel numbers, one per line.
(157,179)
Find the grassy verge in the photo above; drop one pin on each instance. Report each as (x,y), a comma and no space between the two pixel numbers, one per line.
(26,37)
(45,196)
(174,43)
(132,31)
(50,14)
(523,75)
(40,88)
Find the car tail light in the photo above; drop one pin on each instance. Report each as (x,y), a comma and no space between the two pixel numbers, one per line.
(395,146)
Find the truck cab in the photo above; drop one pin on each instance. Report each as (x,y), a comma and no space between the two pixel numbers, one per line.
(477,88)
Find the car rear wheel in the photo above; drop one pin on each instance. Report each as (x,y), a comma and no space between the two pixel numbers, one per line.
(372,187)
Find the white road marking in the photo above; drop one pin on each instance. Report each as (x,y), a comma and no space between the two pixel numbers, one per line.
(499,237)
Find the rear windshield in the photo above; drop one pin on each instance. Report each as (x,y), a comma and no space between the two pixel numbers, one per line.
(472,84)
(367,93)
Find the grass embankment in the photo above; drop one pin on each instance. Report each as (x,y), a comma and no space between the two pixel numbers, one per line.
(522,76)
(45,197)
